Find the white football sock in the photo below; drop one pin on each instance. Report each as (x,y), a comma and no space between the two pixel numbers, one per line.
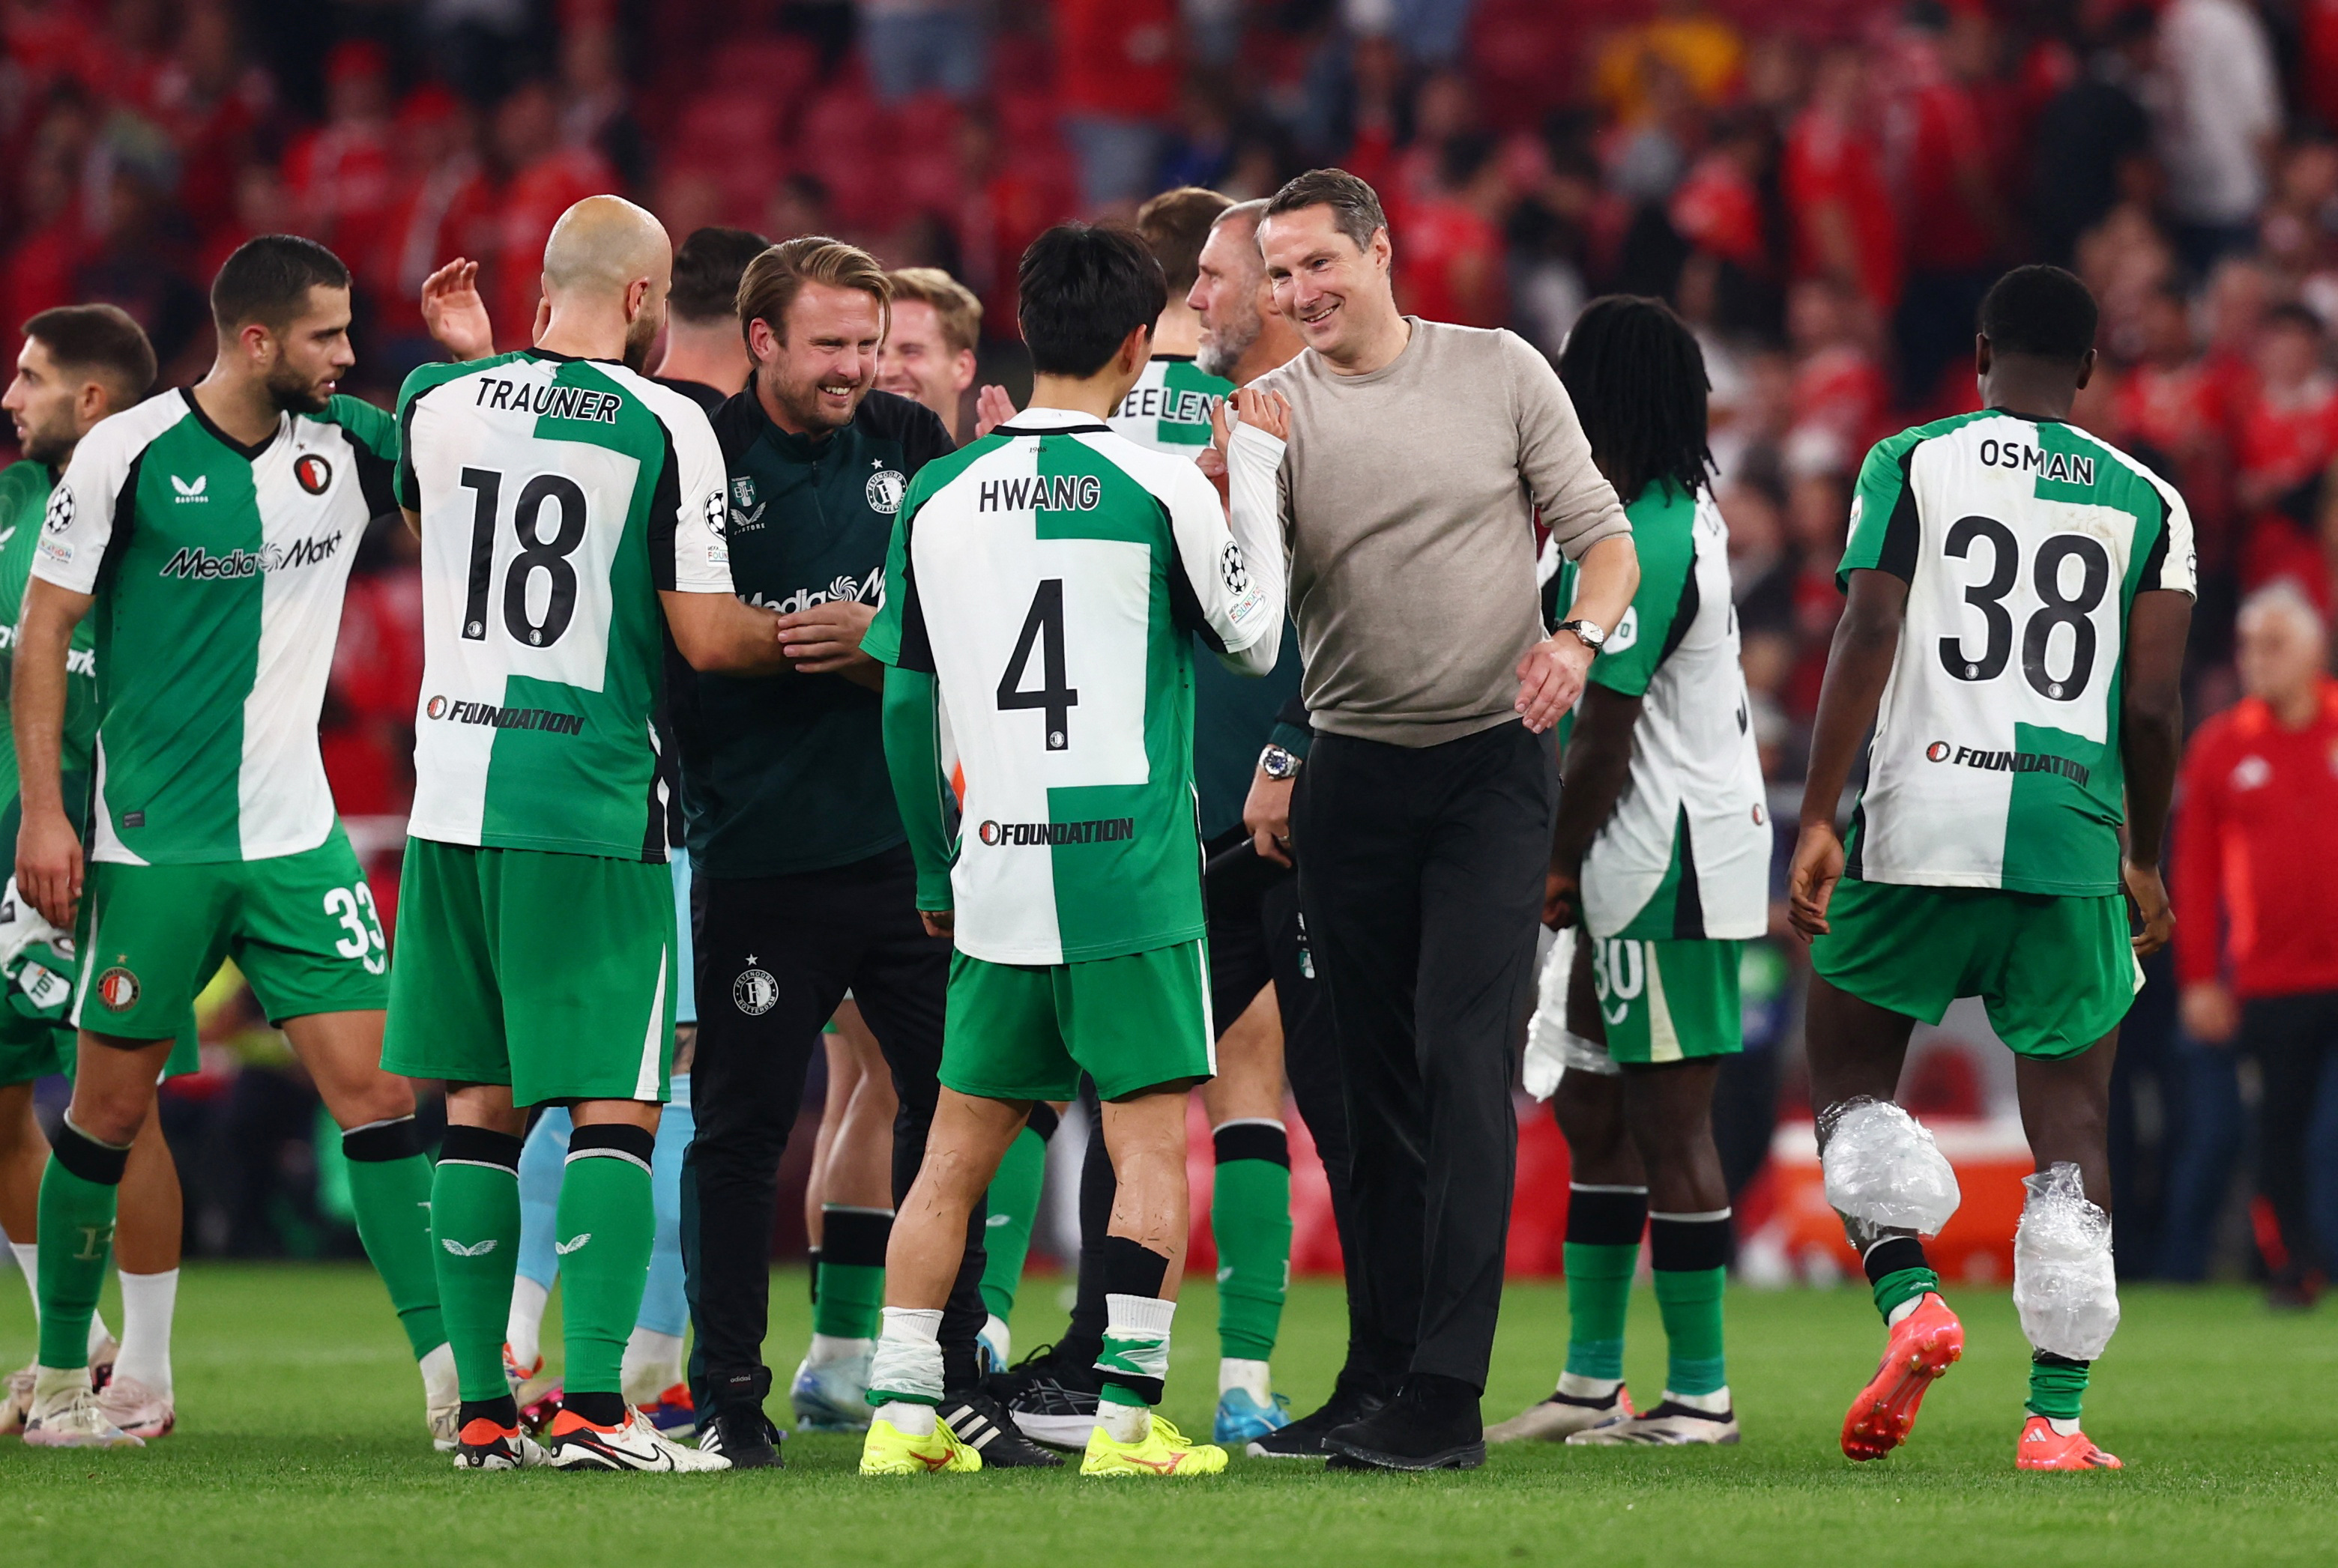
(1125,1423)
(524,1329)
(907,1417)
(653,1364)
(828,1347)
(98,1334)
(2063,1428)
(441,1385)
(28,1259)
(1252,1377)
(1576,1386)
(1714,1404)
(147,1303)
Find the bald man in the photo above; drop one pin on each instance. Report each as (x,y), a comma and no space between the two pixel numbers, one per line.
(571,516)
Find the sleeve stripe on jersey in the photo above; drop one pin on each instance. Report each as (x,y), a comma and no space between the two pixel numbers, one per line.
(665,509)
(125,513)
(1688,897)
(917,650)
(1691,600)
(1185,609)
(1900,534)
(2154,563)
(409,488)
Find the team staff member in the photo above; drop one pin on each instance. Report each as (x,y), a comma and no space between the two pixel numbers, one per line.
(1422,820)
(805,881)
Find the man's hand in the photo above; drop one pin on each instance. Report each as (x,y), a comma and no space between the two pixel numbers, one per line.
(455,314)
(2210,1014)
(2151,906)
(1270,411)
(1562,897)
(825,639)
(992,408)
(49,866)
(1266,812)
(1550,678)
(1810,886)
(938,922)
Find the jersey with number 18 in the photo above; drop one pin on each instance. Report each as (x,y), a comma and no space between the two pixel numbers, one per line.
(558,496)
(2023,542)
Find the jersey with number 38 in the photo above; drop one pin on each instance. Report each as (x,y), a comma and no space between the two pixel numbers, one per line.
(1052,576)
(558,496)
(2023,542)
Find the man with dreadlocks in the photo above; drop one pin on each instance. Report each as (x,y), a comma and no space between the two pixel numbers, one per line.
(1661,857)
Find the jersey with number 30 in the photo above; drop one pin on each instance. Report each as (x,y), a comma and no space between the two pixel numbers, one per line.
(558,496)
(2023,542)
(1052,576)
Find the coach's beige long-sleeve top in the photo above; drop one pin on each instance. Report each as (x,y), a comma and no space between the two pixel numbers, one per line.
(1407,502)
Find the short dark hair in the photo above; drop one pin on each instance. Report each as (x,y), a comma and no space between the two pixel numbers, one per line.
(99,341)
(267,280)
(1355,205)
(1081,288)
(1636,378)
(2290,313)
(1173,226)
(2041,312)
(707,267)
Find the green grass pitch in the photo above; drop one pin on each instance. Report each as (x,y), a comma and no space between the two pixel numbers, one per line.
(301,1443)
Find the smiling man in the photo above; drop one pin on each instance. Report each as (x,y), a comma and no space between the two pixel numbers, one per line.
(806,885)
(928,354)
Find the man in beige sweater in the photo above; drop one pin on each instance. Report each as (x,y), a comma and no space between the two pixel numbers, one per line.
(1419,455)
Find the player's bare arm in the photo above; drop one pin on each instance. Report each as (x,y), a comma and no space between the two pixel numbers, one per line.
(1597,766)
(48,850)
(1550,675)
(720,631)
(1866,640)
(2151,744)
(825,639)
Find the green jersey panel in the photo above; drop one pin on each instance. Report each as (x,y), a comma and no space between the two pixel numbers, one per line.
(218,572)
(1052,576)
(1997,760)
(24,489)
(558,497)
(1168,409)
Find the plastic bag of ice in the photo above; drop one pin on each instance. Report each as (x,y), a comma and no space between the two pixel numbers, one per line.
(2063,1283)
(1882,1166)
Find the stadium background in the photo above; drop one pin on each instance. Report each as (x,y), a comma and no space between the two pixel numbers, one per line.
(1822,186)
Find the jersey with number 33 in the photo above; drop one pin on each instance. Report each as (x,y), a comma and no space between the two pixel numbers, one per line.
(2023,542)
(558,496)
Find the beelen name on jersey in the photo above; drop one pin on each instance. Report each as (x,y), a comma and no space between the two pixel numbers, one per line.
(549,401)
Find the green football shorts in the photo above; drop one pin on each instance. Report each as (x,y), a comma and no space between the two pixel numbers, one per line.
(2055,973)
(302,927)
(33,1048)
(551,973)
(1670,1001)
(1028,1030)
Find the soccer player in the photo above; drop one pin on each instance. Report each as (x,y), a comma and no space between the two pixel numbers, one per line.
(571,517)
(1075,898)
(79,364)
(210,531)
(1662,856)
(2019,594)
(928,355)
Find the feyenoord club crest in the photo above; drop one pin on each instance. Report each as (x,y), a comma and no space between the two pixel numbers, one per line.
(315,474)
(754,993)
(885,489)
(118,989)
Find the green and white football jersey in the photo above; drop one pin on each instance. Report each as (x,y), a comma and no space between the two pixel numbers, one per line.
(218,571)
(1686,854)
(1168,409)
(558,498)
(1996,761)
(1051,576)
(24,491)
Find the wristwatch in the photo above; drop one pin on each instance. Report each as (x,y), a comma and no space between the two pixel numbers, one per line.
(1586,631)
(1279,764)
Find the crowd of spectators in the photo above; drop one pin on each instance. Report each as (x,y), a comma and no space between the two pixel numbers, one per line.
(1824,188)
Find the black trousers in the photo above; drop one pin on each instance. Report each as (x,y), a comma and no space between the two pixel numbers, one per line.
(1257,935)
(775,956)
(1421,871)
(2296,1041)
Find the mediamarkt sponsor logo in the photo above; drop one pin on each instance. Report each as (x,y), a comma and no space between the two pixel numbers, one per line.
(545,719)
(2008,762)
(199,564)
(1096,830)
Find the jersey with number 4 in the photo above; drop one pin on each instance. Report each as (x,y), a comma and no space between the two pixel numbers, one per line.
(1051,576)
(2023,542)
(558,496)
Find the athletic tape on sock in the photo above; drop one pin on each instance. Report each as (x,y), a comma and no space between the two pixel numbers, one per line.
(1252,1139)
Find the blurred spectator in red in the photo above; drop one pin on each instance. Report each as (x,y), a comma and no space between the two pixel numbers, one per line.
(39,272)
(1116,73)
(2092,136)
(1818,514)
(1452,267)
(260,205)
(2284,434)
(2169,414)
(917,46)
(1839,388)
(341,172)
(2256,934)
(445,206)
(1718,207)
(214,104)
(800,205)
(545,177)
(2219,113)
(1844,228)
(596,111)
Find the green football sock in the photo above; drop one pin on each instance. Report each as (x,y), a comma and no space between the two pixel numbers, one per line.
(474,1252)
(1014,1206)
(1601,1254)
(604,1231)
(1690,1253)
(1250,1215)
(2057,1385)
(850,1301)
(1898,1271)
(390,1188)
(78,1195)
